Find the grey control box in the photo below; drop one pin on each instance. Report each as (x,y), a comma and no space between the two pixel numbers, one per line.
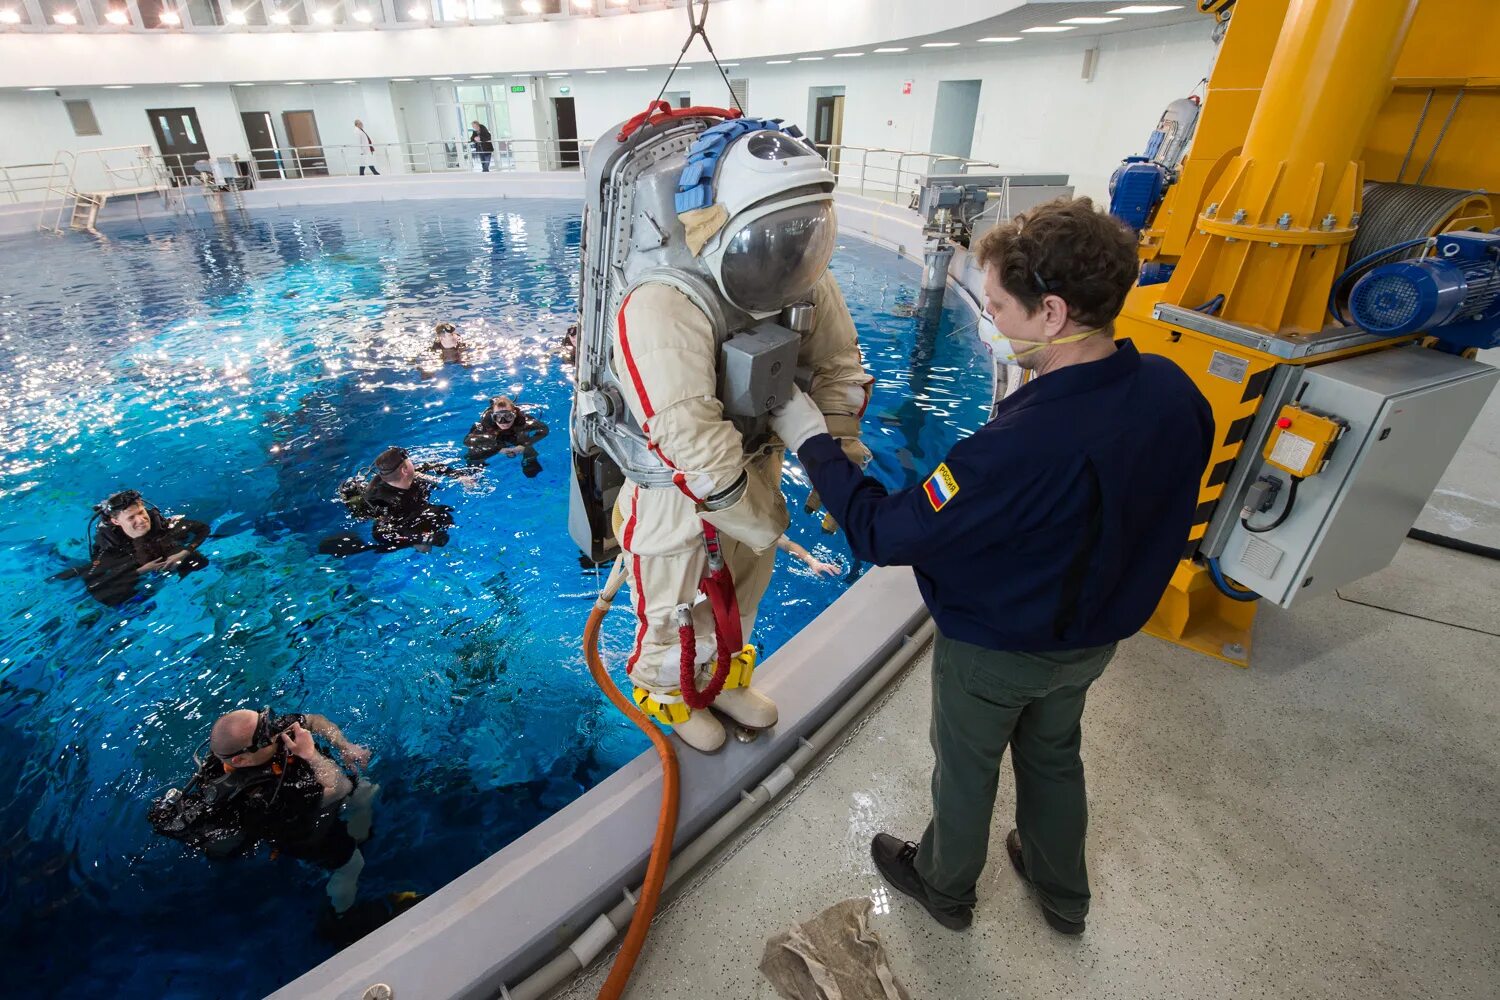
(1407,409)
(757,369)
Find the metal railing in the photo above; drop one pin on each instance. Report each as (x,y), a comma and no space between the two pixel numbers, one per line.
(893,175)
(121,168)
(438,156)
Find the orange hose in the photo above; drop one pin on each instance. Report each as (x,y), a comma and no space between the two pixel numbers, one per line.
(666,820)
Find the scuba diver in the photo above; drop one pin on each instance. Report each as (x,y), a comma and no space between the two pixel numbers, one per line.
(506,429)
(264,778)
(447,344)
(133,538)
(706,293)
(397,499)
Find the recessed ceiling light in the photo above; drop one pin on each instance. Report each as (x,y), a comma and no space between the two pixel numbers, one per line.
(891,50)
(190,86)
(65,17)
(583,4)
(244,85)
(41,88)
(557,74)
(484,77)
(728,65)
(809,58)
(1002,38)
(1046,29)
(1088,20)
(531,6)
(235,17)
(323,16)
(343,81)
(777,62)
(296,83)
(444,79)
(363,16)
(281,17)
(117,17)
(9,17)
(1146,8)
(521,74)
(635,69)
(117,86)
(618,3)
(418,13)
(170,17)
(595,72)
(938,45)
(847,55)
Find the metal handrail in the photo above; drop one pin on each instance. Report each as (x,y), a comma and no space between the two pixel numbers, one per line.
(893,181)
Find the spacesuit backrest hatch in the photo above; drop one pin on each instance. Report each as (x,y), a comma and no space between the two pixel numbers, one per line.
(735,214)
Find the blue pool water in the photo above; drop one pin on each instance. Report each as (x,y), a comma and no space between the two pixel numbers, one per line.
(237,373)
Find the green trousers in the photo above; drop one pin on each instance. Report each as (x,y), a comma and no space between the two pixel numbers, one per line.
(982,701)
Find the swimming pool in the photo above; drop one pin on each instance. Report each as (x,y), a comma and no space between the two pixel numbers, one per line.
(237,373)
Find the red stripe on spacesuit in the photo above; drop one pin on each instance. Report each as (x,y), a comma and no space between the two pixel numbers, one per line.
(635,374)
(640,591)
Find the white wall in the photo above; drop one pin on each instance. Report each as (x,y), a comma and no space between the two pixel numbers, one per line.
(742,29)
(1036,113)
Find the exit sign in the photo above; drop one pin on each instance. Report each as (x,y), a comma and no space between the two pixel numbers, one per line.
(518,88)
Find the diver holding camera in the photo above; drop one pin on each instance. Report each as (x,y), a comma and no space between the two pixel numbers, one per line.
(264,778)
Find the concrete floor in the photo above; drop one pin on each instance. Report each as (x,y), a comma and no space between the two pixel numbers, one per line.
(1323,825)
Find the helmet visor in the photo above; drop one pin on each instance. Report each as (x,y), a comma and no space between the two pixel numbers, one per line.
(778,257)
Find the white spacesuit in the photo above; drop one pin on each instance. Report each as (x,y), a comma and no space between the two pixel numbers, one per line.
(727,226)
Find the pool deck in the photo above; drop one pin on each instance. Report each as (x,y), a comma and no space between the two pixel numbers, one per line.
(1322,824)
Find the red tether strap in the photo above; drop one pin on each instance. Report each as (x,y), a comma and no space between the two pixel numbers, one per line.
(660,111)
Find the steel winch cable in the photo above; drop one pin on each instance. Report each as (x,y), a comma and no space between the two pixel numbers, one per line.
(697,28)
(1394,213)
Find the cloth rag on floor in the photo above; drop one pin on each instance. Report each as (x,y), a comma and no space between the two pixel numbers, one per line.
(833,956)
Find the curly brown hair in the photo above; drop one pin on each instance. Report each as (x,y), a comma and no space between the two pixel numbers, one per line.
(1066,248)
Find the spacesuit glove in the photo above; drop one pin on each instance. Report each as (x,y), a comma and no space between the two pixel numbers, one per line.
(846,430)
(798,419)
(756,518)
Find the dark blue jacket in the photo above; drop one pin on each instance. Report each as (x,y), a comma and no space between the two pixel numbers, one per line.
(1060,521)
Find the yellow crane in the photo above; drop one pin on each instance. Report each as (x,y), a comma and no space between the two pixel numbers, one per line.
(1332,133)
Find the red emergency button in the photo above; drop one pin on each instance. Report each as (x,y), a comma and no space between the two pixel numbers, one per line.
(1284,423)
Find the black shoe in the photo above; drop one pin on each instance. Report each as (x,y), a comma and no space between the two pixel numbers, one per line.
(1059,924)
(895,861)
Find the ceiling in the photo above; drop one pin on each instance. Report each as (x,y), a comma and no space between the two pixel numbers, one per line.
(114,17)
(222,16)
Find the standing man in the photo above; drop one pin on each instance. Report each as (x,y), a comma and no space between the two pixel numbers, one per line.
(1038,544)
(484,146)
(366,147)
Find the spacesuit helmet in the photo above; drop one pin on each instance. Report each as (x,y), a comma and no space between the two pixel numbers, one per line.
(776,199)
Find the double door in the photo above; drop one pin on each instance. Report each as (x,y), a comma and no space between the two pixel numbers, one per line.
(180,139)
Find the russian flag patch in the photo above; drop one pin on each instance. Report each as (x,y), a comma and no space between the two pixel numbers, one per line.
(941,487)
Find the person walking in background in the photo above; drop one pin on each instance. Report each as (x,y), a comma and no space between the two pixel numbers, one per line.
(484,146)
(366,147)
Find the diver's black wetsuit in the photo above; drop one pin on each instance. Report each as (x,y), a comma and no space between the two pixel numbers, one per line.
(112,577)
(408,517)
(487,439)
(280,802)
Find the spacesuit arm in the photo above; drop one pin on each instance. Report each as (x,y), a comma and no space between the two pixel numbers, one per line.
(666,359)
(840,386)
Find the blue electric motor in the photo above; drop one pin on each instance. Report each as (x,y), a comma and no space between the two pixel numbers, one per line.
(1135,190)
(1452,294)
